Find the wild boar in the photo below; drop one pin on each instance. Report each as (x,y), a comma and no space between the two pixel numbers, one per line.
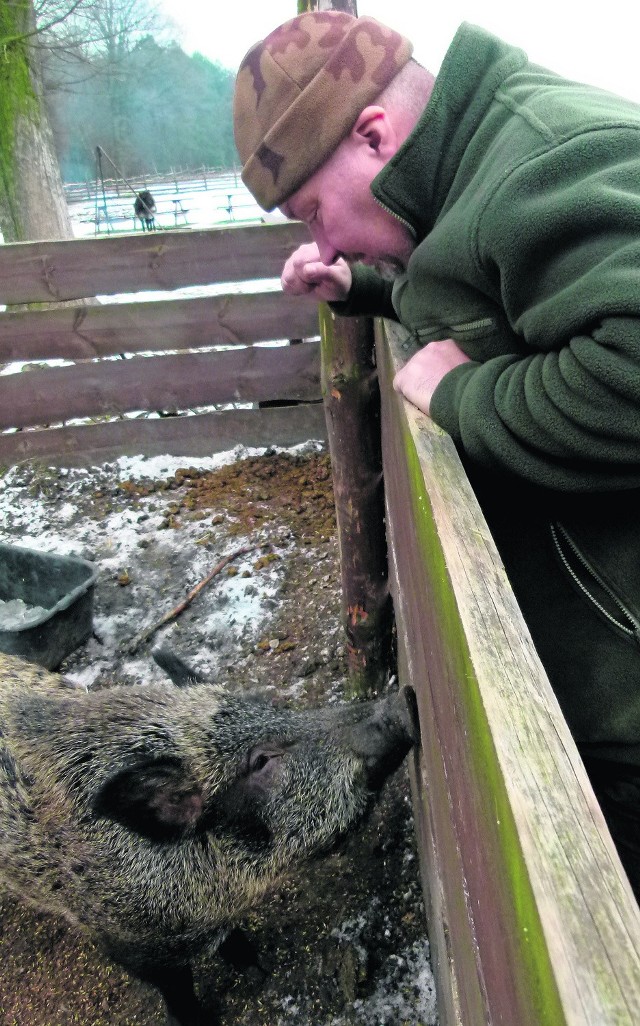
(154,816)
(144,208)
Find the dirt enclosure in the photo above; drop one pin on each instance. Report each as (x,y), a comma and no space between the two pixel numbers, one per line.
(344,940)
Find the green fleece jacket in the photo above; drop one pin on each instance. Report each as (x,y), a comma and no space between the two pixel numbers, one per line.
(523,192)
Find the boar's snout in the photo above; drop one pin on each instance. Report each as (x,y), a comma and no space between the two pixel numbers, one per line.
(383,738)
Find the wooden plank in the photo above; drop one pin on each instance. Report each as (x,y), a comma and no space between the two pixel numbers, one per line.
(188,436)
(537,917)
(76,268)
(169,383)
(76,333)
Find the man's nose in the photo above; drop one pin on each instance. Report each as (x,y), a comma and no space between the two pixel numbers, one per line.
(328,253)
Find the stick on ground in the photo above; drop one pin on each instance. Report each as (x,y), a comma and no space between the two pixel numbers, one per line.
(132,647)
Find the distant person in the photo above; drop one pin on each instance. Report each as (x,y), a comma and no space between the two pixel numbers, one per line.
(494,210)
(145,209)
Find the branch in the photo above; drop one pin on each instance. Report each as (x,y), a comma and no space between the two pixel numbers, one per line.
(43,28)
(148,632)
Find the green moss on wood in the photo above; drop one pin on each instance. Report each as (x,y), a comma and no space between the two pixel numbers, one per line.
(538,981)
(339,368)
(17,97)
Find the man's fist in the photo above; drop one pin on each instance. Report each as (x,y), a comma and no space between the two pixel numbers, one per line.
(304,274)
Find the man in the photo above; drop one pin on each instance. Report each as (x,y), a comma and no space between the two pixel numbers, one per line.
(495,212)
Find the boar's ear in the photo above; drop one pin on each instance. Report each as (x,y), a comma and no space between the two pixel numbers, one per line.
(157,798)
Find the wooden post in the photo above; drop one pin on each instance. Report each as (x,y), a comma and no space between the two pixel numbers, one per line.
(352,409)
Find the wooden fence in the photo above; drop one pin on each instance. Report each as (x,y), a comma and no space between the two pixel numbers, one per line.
(109,379)
(192,179)
(531,918)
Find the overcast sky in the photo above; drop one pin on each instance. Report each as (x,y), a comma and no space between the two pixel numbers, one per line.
(595,43)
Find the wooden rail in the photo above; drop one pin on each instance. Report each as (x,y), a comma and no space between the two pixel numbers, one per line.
(83,332)
(50,272)
(181,370)
(532,919)
(166,383)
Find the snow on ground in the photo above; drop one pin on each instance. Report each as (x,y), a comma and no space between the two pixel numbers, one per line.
(114,541)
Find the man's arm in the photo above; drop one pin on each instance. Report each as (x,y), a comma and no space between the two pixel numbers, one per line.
(421,375)
(559,242)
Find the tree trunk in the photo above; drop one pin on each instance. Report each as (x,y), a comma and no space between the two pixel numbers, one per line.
(32,201)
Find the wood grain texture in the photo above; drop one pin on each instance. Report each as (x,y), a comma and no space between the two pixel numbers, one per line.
(82,332)
(167,383)
(50,272)
(200,435)
(528,902)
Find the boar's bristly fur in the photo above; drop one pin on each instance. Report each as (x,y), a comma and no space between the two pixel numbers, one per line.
(154,816)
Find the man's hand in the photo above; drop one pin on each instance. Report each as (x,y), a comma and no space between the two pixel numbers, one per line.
(420,376)
(304,274)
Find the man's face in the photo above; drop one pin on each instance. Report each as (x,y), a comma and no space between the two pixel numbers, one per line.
(344,219)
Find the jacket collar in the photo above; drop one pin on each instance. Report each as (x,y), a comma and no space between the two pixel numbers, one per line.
(414,184)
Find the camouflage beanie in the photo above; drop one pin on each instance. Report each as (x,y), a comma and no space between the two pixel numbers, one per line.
(299,92)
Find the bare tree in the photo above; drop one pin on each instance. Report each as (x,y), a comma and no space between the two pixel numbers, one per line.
(94,35)
(110,28)
(95,41)
(32,202)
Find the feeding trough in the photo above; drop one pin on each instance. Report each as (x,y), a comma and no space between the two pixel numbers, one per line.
(46,604)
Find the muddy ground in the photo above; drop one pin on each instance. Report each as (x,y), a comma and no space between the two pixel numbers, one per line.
(344,940)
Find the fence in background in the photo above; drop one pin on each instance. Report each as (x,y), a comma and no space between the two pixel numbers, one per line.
(201,179)
(205,198)
(136,402)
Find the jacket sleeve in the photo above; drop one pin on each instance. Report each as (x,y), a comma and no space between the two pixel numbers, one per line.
(558,245)
(370,295)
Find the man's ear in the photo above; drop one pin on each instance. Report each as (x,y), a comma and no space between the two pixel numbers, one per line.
(375,128)
(157,798)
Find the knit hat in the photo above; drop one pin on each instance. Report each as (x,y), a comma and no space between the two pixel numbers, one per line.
(299,92)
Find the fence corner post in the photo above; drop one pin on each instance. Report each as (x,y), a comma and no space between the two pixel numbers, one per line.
(352,408)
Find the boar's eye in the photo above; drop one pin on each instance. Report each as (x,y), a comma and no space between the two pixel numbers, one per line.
(239,809)
(263,763)
(258,761)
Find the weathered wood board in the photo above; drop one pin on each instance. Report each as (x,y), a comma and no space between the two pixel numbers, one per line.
(532,919)
(192,436)
(82,332)
(168,383)
(49,272)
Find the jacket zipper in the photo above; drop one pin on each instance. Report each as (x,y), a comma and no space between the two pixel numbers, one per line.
(397,216)
(632,631)
(484,322)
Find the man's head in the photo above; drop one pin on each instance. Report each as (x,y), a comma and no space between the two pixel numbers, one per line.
(300,91)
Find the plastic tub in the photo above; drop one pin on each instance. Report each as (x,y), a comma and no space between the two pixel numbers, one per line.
(63,586)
